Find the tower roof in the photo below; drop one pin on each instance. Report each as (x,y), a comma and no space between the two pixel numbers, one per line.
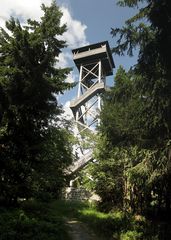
(87,55)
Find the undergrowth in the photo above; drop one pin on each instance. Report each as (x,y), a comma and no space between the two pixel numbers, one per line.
(116,225)
(35,220)
(32,221)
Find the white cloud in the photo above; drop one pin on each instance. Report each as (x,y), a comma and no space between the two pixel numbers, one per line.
(75,35)
(22,9)
(64,60)
(72,77)
(67,111)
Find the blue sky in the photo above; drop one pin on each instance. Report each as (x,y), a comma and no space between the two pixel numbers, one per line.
(88,21)
(100,16)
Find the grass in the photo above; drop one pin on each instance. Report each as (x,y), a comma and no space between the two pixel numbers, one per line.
(106,225)
(116,225)
(32,221)
(35,220)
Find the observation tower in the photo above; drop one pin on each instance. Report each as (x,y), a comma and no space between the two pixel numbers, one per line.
(94,63)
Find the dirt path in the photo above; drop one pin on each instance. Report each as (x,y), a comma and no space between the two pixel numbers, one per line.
(79,231)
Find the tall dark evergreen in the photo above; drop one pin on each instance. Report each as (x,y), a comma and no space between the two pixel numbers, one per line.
(135,119)
(149,30)
(29,83)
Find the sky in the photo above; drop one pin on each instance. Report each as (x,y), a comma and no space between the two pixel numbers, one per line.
(88,22)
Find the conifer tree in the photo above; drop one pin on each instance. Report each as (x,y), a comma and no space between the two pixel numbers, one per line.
(135,126)
(29,83)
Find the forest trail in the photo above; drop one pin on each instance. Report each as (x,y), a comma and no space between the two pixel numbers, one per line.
(79,231)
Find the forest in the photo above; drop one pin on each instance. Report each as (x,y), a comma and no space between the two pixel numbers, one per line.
(132,172)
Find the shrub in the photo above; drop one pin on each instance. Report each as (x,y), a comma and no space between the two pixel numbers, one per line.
(131,235)
(34,220)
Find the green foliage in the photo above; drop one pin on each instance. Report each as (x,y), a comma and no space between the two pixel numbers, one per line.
(148,30)
(133,149)
(109,179)
(35,220)
(120,121)
(113,225)
(104,224)
(130,177)
(131,235)
(56,153)
(29,83)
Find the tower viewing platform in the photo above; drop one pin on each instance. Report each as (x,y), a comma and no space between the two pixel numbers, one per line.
(92,53)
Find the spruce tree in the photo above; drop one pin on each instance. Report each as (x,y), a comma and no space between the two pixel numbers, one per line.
(135,118)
